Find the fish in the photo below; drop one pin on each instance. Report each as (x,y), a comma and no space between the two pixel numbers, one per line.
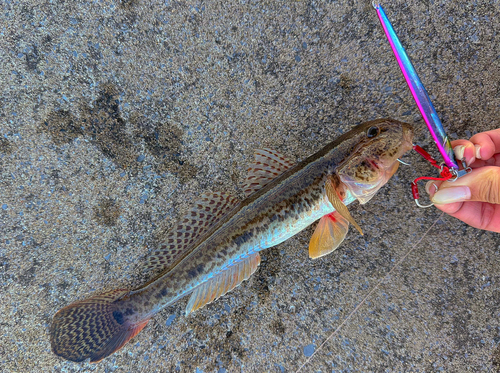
(216,245)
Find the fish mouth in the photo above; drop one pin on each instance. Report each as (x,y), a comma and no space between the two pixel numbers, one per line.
(389,167)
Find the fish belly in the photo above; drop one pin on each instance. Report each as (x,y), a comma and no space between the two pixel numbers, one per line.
(280,231)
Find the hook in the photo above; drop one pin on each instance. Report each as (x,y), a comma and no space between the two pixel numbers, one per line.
(416,195)
(406,164)
(422,206)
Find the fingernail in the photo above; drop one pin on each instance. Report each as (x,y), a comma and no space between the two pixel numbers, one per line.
(450,195)
(478,151)
(429,185)
(459,152)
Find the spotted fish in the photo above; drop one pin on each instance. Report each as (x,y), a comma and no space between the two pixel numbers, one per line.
(216,245)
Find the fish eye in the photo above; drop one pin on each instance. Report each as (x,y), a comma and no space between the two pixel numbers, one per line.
(372,132)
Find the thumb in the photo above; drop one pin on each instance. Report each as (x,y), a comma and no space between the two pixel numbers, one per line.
(482,184)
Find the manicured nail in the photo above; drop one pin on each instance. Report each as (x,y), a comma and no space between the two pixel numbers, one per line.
(430,184)
(470,161)
(459,152)
(450,195)
(478,151)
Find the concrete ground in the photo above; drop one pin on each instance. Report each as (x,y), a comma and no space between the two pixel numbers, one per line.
(115,115)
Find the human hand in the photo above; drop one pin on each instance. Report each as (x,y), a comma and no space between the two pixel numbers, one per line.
(475,197)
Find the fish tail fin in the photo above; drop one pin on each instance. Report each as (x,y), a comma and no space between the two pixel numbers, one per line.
(93,328)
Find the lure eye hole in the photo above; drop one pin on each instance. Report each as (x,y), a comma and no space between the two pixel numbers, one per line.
(372,132)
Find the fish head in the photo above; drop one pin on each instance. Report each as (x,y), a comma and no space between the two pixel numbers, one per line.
(374,159)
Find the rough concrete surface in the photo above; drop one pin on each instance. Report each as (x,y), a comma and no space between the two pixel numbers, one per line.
(115,115)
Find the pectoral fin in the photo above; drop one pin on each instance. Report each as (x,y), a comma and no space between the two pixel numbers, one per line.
(329,234)
(339,206)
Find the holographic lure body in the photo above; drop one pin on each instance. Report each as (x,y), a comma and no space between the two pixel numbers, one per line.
(216,245)
(418,91)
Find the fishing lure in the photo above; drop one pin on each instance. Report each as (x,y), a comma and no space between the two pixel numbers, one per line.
(450,169)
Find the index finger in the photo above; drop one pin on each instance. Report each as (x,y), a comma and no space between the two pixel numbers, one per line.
(488,142)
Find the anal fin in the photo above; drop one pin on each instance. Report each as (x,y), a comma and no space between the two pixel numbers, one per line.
(222,283)
(329,234)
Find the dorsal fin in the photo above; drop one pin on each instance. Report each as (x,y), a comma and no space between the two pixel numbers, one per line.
(267,165)
(207,211)
(328,235)
(222,283)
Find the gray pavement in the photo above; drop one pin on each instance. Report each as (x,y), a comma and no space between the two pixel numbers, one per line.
(115,115)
